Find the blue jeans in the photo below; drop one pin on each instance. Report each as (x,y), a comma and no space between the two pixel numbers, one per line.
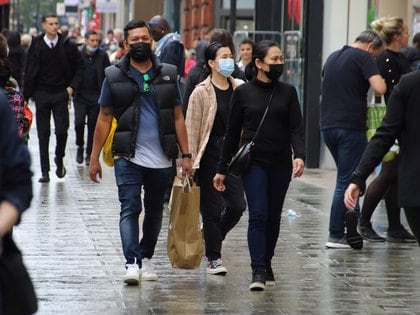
(346,147)
(130,179)
(265,191)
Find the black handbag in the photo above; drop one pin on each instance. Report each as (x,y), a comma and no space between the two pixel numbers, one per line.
(17,294)
(242,159)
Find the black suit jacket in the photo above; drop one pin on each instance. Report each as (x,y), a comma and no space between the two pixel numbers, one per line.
(71,60)
(402,122)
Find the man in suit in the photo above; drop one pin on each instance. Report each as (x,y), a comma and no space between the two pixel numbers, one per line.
(54,70)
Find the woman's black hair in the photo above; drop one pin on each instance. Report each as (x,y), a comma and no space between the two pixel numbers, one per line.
(210,54)
(259,51)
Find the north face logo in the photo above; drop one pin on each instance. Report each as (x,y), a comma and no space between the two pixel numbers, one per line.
(166,78)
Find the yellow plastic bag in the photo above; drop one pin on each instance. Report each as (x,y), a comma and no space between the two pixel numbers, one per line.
(185,244)
(107,149)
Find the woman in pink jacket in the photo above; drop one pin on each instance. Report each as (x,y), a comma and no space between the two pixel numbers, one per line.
(206,121)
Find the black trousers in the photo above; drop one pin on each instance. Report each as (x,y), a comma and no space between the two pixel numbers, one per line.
(413,219)
(57,104)
(220,211)
(83,109)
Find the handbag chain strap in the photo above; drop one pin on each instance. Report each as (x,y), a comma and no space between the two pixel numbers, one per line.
(263,118)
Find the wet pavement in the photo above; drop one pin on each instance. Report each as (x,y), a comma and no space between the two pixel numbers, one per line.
(71,246)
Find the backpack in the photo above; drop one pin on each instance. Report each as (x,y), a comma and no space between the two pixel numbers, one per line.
(17,104)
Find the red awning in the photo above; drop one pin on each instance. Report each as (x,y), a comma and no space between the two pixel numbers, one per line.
(4,2)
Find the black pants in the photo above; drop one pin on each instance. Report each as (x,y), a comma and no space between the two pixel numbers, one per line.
(220,211)
(57,103)
(413,219)
(82,109)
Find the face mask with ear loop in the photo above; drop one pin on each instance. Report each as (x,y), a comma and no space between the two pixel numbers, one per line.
(226,66)
(275,71)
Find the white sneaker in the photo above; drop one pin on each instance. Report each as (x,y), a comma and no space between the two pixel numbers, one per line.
(132,275)
(337,242)
(148,270)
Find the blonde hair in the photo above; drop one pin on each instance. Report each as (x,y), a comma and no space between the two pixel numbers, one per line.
(387,27)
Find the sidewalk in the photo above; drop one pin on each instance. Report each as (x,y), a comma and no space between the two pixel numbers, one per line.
(71,245)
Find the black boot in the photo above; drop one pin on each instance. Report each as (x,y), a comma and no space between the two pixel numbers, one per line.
(79,155)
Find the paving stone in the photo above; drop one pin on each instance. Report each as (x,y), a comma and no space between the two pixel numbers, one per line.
(71,246)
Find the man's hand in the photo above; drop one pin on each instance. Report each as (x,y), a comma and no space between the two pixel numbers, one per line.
(69,90)
(186,167)
(218,182)
(9,215)
(298,166)
(95,170)
(351,196)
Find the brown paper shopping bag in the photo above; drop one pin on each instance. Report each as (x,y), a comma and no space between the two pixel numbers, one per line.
(185,244)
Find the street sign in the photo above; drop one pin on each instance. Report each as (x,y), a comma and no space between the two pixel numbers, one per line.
(60,9)
(107,6)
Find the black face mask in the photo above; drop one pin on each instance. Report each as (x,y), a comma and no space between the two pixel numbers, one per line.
(275,71)
(140,51)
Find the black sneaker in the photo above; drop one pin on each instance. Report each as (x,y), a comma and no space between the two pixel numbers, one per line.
(400,236)
(79,155)
(215,267)
(269,276)
(369,234)
(258,280)
(45,178)
(353,238)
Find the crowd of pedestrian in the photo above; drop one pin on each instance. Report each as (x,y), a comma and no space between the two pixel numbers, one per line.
(146,79)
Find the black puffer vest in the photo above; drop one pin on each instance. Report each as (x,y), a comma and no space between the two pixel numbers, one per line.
(126,95)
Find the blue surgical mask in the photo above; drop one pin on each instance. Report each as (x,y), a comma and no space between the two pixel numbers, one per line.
(91,49)
(226,66)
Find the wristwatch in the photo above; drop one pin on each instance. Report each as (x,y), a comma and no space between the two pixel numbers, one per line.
(186,155)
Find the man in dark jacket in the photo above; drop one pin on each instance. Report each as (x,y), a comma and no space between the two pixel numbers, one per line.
(169,47)
(86,99)
(54,70)
(15,198)
(141,93)
(400,122)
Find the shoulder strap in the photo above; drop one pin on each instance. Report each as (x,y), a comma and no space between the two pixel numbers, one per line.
(263,117)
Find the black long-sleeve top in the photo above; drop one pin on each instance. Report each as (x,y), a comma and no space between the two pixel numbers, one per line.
(392,65)
(281,135)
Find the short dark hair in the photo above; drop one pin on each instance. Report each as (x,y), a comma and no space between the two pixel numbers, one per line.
(416,40)
(135,24)
(247,41)
(49,15)
(370,36)
(224,37)
(90,32)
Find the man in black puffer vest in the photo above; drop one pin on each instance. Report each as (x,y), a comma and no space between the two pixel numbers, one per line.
(142,94)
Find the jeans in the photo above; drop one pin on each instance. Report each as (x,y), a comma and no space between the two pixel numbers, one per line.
(131,178)
(220,211)
(57,103)
(265,191)
(82,109)
(347,147)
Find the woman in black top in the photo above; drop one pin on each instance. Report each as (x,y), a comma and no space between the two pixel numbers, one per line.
(278,153)
(392,65)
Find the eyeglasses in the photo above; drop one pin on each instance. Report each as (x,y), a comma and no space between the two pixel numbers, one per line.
(146,85)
